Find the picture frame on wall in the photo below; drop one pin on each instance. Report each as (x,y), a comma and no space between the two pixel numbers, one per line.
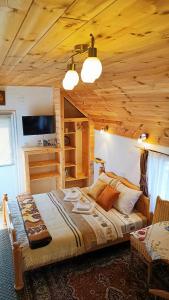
(2,97)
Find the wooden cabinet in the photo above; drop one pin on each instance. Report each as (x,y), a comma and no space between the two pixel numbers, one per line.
(76,151)
(42,169)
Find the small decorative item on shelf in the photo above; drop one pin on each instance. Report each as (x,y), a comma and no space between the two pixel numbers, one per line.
(45,143)
(66,172)
(52,142)
(40,143)
(66,140)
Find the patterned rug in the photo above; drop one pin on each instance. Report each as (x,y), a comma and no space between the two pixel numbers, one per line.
(105,274)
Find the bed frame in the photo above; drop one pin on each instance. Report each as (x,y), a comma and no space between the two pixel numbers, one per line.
(142,206)
(16,248)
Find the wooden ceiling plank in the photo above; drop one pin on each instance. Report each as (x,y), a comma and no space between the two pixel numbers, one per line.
(40,18)
(12,14)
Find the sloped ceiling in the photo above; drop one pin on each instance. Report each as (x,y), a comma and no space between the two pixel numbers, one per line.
(132,37)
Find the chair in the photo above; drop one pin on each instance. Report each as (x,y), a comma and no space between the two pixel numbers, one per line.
(159,293)
(161,213)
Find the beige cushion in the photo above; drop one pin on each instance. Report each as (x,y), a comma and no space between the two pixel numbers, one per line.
(127,199)
(107,179)
(96,188)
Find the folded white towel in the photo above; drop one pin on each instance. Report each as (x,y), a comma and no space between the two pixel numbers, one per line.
(83,206)
(67,198)
(80,208)
(72,194)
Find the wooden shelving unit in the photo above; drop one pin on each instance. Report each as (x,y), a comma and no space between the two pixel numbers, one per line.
(76,153)
(75,134)
(41,164)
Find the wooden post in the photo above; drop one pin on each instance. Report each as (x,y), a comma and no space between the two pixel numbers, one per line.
(17,260)
(4,200)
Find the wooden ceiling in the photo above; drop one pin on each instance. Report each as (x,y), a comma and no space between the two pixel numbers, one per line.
(132,36)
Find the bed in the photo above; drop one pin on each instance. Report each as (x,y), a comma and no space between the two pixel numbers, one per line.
(72,234)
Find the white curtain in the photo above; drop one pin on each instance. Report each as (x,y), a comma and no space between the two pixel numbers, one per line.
(158,177)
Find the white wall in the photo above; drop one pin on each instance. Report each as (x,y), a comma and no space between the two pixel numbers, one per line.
(27,101)
(121,154)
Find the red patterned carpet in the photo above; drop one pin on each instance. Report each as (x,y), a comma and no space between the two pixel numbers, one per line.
(105,274)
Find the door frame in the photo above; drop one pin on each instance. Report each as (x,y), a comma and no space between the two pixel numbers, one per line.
(12,114)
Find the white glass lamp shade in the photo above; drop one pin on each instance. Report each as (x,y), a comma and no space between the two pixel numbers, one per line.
(72,76)
(91,70)
(67,85)
(87,77)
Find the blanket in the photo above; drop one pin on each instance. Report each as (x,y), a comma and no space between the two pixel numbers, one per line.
(72,234)
(37,233)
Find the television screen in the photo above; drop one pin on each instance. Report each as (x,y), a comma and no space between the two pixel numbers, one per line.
(34,125)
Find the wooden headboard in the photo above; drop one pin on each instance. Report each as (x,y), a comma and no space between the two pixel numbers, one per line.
(143,203)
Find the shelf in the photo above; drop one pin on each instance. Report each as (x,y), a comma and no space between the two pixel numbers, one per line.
(69,164)
(75,120)
(69,148)
(43,149)
(80,177)
(43,163)
(71,132)
(43,175)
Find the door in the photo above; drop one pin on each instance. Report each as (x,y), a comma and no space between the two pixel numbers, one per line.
(8,161)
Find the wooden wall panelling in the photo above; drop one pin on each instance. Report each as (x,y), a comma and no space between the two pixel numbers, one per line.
(39,19)
(132,41)
(12,14)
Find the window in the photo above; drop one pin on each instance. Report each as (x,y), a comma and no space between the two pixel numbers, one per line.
(6,140)
(158,177)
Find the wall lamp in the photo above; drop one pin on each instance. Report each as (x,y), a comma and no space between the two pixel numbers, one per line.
(91,69)
(104,129)
(143,137)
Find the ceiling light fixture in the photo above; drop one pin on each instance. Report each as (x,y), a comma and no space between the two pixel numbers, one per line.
(71,78)
(92,67)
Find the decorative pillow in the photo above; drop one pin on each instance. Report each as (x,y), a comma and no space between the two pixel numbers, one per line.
(104,177)
(127,199)
(114,182)
(96,188)
(107,179)
(107,197)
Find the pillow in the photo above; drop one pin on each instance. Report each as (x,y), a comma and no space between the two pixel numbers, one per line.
(107,179)
(127,199)
(107,197)
(96,188)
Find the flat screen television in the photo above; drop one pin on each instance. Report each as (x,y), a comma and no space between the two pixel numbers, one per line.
(34,125)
